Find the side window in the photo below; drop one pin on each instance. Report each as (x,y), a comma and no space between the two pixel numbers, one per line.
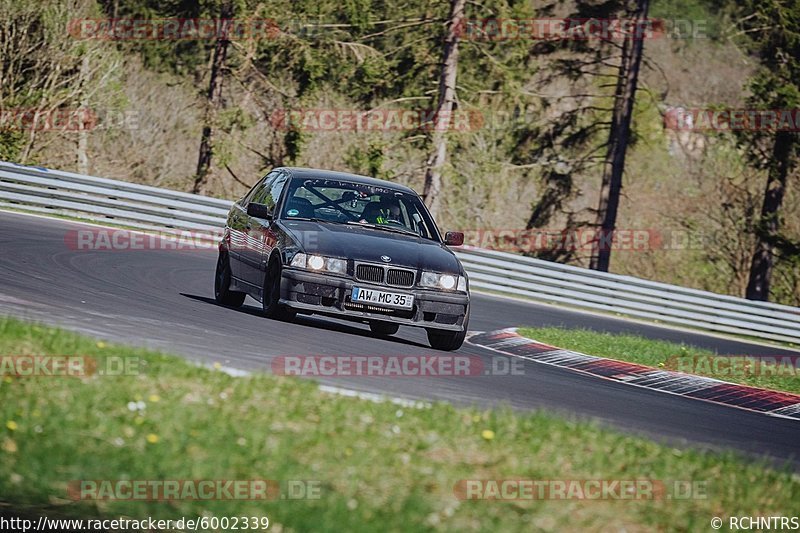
(259,187)
(271,192)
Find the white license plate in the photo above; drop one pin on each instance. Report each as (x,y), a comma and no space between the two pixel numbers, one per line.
(390,299)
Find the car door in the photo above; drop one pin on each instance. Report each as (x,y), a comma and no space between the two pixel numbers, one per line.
(239,223)
(261,238)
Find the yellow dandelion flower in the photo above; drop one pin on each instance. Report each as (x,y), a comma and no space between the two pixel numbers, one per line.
(476,418)
(11,425)
(487,434)
(101,344)
(153,398)
(217,365)
(152,438)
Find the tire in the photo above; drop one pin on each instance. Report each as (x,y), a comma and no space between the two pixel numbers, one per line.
(448,340)
(272,294)
(383,328)
(222,284)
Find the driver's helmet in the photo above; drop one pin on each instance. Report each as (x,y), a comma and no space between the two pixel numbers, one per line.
(389,211)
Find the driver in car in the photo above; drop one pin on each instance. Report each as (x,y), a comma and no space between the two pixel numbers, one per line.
(389,214)
(386,211)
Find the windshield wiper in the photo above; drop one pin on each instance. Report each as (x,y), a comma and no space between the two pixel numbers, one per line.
(385,228)
(317,219)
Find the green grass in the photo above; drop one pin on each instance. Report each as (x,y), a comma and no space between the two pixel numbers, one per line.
(380,466)
(667,355)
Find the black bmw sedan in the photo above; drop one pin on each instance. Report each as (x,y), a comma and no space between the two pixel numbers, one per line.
(317,241)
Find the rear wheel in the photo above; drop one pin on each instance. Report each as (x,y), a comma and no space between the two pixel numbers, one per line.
(383,328)
(222,283)
(272,294)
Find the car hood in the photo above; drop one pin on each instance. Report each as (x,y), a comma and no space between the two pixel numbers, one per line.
(367,244)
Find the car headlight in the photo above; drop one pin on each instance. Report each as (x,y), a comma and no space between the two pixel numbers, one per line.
(462,284)
(316,262)
(337,266)
(435,280)
(299,260)
(319,263)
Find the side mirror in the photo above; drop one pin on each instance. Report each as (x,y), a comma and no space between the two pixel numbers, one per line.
(259,211)
(454,238)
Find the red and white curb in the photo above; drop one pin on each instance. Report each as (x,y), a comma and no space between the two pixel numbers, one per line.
(773,403)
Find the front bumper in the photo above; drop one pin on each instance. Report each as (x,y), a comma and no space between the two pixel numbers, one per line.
(330,295)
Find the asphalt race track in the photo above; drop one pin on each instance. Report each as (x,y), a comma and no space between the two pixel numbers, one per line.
(164,300)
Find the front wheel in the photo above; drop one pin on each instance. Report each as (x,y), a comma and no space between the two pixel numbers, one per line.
(448,340)
(383,328)
(222,284)
(272,294)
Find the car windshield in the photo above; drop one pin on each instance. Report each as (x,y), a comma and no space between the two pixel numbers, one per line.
(346,202)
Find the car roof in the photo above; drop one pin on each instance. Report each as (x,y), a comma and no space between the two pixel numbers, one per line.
(300,172)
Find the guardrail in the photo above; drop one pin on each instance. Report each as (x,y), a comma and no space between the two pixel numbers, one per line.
(107,200)
(140,206)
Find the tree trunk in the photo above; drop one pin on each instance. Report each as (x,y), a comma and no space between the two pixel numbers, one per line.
(444,108)
(769,223)
(83,134)
(619,135)
(213,103)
